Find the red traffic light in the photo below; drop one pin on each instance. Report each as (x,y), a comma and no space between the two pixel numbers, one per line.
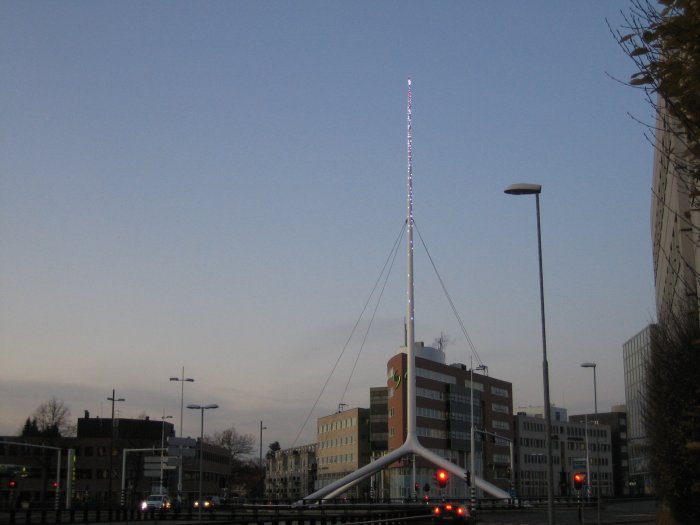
(442,477)
(12,484)
(579,478)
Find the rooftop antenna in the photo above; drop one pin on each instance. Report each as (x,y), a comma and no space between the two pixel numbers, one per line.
(411,445)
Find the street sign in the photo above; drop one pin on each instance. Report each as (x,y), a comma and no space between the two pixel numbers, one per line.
(149,460)
(182,442)
(578,463)
(186,452)
(172,462)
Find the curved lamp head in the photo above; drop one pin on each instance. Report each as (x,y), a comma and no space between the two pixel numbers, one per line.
(588,365)
(203,407)
(523,189)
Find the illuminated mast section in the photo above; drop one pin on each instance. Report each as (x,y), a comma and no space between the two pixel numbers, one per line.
(410,331)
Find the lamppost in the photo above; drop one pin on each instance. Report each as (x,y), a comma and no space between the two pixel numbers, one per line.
(113,399)
(202,408)
(182,380)
(162,447)
(536,189)
(261,429)
(472,469)
(597,449)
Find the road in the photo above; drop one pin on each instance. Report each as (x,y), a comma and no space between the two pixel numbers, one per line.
(640,512)
(613,512)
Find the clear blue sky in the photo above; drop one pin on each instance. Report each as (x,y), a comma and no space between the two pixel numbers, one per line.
(216,185)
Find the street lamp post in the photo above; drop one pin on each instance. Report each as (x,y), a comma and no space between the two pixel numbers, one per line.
(597,449)
(182,380)
(536,189)
(162,448)
(261,429)
(472,489)
(113,399)
(202,408)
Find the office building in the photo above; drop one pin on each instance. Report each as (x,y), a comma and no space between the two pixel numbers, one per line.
(101,447)
(445,413)
(674,221)
(636,353)
(290,474)
(343,447)
(576,447)
(616,420)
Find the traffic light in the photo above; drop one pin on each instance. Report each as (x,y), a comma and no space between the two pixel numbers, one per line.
(54,484)
(468,478)
(508,472)
(442,478)
(12,484)
(579,478)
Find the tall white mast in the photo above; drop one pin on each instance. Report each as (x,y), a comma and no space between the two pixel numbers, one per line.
(410,332)
(411,445)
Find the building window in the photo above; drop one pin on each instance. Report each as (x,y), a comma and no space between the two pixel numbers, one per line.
(435,376)
(497,391)
(502,425)
(502,409)
(501,458)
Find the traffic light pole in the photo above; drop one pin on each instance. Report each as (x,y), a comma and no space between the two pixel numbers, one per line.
(58,466)
(511,475)
(122,498)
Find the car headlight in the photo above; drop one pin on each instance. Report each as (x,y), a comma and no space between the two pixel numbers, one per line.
(144,505)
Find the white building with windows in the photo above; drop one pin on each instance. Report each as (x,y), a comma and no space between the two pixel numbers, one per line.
(576,447)
(343,441)
(290,473)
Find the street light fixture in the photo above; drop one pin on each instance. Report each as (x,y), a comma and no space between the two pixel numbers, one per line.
(113,399)
(182,380)
(536,189)
(202,408)
(597,449)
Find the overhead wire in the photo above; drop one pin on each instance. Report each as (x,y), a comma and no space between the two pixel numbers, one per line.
(374,313)
(449,299)
(390,257)
(384,273)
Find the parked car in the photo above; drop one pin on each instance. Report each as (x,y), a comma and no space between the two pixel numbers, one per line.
(451,512)
(207,502)
(157,502)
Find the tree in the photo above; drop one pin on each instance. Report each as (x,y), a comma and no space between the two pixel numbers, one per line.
(237,444)
(273,447)
(672,415)
(30,428)
(663,40)
(50,419)
(664,44)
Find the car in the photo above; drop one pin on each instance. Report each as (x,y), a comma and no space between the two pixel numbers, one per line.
(156,502)
(451,512)
(208,502)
